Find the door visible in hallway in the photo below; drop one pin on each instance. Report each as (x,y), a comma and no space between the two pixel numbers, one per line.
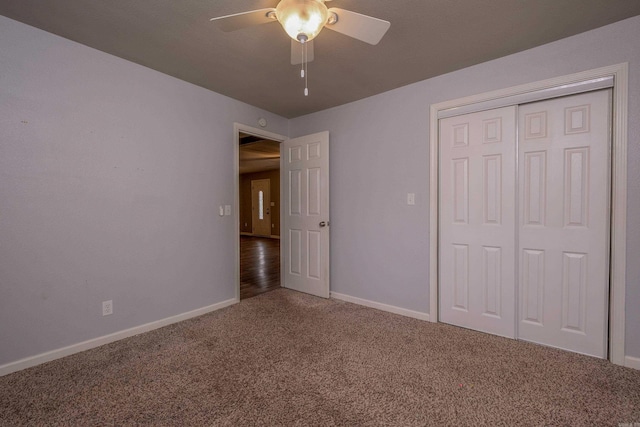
(261,207)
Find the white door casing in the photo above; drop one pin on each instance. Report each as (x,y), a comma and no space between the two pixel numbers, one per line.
(261,207)
(564,157)
(305,176)
(477,221)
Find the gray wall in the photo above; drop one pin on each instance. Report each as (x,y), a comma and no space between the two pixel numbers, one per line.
(111,175)
(380,246)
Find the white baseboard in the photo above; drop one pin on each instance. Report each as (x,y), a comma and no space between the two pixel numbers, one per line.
(106,339)
(632,362)
(380,306)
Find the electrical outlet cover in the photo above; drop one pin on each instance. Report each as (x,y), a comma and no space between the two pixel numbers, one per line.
(107,307)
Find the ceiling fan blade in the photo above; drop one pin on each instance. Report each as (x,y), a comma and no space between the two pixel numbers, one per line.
(362,27)
(296,52)
(242,20)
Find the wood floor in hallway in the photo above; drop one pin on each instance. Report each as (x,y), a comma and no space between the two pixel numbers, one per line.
(259,265)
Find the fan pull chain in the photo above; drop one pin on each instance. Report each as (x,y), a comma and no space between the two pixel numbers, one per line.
(305,66)
(306,71)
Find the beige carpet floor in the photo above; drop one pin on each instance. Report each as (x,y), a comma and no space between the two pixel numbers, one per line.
(289,359)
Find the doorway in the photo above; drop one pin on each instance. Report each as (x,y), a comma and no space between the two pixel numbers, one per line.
(304,187)
(259,214)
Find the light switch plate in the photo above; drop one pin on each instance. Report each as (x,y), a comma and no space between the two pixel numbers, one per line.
(227,210)
(411,198)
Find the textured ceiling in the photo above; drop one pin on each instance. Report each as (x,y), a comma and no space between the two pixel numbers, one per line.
(257,155)
(427,38)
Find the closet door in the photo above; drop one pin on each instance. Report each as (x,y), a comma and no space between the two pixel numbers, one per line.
(477,221)
(564,176)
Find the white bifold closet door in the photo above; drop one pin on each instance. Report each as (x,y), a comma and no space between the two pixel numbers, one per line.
(532,266)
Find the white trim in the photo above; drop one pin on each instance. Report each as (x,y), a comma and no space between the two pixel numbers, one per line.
(619,72)
(618,216)
(237,128)
(379,306)
(632,362)
(530,96)
(106,339)
(433,211)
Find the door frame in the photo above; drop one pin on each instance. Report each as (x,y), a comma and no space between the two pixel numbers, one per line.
(617,266)
(237,128)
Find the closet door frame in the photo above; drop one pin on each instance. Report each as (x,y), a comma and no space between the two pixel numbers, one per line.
(617,76)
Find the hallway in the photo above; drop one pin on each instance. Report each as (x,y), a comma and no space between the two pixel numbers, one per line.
(259,265)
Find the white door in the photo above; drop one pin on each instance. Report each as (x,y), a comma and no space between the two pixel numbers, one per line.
(477,221)
(564,163)
(261,207)
(306,214)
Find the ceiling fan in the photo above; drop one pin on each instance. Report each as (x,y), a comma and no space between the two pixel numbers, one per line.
(303,20)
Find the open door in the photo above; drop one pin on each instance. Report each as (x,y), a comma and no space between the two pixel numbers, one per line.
(305,235)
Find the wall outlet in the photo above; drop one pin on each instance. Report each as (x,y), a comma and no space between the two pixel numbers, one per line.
(107,307)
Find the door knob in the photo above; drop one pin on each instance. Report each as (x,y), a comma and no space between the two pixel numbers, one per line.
(323,224)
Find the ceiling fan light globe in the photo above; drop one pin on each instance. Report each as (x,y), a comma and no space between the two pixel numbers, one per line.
(302,17)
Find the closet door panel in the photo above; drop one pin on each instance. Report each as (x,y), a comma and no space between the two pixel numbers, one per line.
(477,221)
(564,181)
